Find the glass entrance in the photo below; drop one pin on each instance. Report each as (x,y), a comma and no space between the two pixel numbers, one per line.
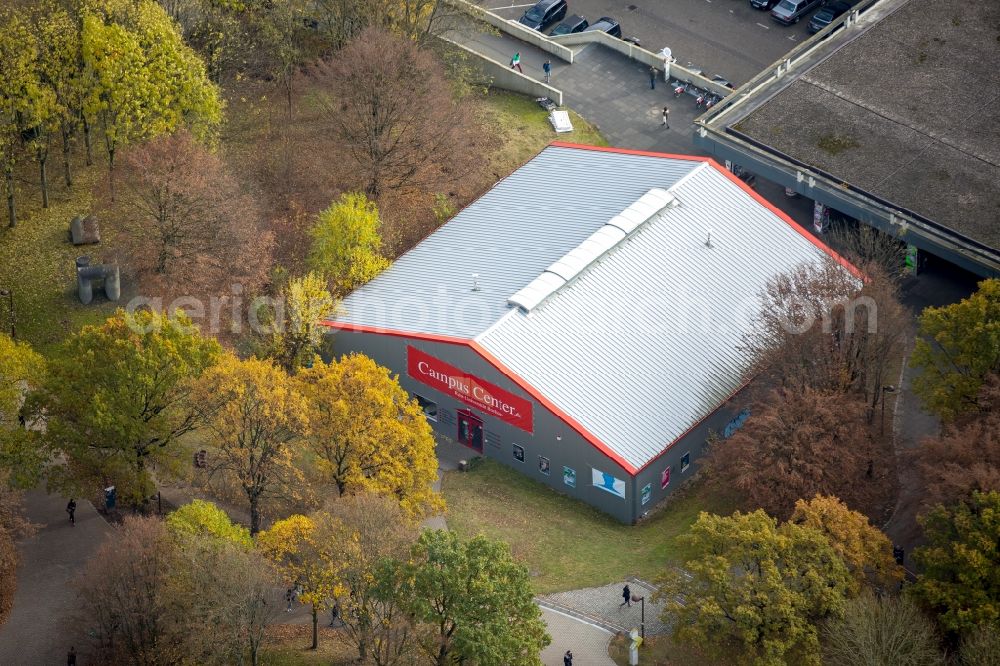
(470,430)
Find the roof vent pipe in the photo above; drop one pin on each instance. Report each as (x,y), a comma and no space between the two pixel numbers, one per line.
(708,243)
(475,282)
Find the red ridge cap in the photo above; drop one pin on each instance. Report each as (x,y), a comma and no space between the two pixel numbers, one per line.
(628,151)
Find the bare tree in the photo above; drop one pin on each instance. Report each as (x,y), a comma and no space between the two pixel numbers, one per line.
(395,112)
(887,630)
(13,526)
(188,225)
(122,592)
(821,326)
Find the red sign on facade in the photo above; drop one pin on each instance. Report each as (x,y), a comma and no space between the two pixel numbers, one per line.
(471,390)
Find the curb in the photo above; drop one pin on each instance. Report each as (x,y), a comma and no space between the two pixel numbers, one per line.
(582,617)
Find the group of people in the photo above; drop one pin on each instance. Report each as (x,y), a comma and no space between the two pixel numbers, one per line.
(515,63)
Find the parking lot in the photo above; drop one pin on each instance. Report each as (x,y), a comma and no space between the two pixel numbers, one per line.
(726,37)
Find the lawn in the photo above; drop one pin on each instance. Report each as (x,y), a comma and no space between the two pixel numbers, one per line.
(565,543)
(36,260)
(287,645)
(523,128)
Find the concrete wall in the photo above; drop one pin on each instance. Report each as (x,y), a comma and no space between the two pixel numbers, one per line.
(551,437)
(642,55)
(515,29)
(502,76)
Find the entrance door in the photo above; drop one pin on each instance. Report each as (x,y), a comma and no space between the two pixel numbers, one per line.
(470,430)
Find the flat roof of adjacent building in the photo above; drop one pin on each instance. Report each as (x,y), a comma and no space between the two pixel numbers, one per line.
(903,105)
(615,285)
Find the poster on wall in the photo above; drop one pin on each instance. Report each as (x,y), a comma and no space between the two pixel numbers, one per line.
(608,483)
(470,389)
(569,477)
(519,453)
(665,478)
(647,492)
(543,465)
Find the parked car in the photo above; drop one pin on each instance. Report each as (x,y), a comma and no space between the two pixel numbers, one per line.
(826,16)
(791,11)
(574,23)
(763,4)
(608,25)
(544,13)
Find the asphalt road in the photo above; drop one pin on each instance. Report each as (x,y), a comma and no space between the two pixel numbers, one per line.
(725,37)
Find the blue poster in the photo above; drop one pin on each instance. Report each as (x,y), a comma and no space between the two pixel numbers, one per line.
(605,481)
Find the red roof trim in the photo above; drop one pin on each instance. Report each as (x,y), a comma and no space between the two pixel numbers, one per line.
(431,337)
(628,151)
(510,374)
(566,418)
(787,220)
(693,426)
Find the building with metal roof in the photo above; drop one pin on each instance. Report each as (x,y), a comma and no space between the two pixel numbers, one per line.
(890,116)
(582,321)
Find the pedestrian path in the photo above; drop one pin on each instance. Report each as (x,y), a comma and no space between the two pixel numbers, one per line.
(602,606)
(589,643)
(44,621)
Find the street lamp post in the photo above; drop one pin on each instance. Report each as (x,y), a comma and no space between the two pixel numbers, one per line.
(885,389)
(9,293)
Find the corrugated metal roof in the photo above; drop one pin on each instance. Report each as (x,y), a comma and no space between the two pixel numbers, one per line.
(636,342)
(509,236)
(644,343)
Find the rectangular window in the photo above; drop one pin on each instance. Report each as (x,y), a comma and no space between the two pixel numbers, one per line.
(543,465)
(685,462)
(519,453)
(429,406)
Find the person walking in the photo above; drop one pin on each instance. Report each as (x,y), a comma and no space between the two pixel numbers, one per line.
(288,598)
(666,117)
(547,68)
(652,78)
(568,658)
(627,595)
(71,657)
(71,510)
(515,62)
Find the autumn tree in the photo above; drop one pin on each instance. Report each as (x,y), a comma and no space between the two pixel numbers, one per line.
(147,81)
(189,226)
(346,245)
(371,537)
(475,601)
(304,547)
(117,396)
(960,565)
(13,526)
(957,347)
(865,550)
(20,91)
(21,370)
(368,435)
(966,455)
(880,630)
(796,443)
(297,336)
(822,327)
(256,418)
(395,113)
(221,584)
(755,589)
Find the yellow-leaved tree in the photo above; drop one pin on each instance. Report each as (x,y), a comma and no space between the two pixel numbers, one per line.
(297,339)
(346,245)
(866,551)
(303,548)
(256,417)
(368,435)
